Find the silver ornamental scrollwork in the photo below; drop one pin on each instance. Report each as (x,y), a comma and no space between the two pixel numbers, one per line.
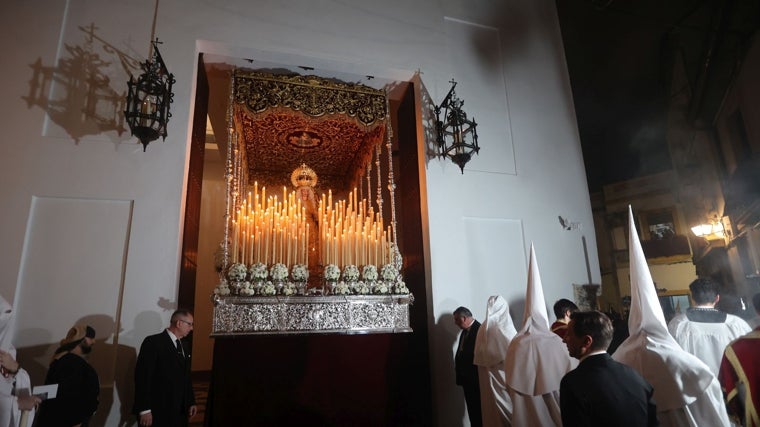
(328,314)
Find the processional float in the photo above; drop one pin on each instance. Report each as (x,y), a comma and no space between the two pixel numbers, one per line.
(310,236)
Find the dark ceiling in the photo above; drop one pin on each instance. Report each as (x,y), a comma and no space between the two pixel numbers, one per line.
(620,55)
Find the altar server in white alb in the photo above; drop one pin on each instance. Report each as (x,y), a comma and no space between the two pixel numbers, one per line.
(537,360)
(703,330)
(685,389)
(494,336)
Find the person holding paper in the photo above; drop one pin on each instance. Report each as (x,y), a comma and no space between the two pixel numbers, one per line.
(78,384)
(163,389)
(16,402)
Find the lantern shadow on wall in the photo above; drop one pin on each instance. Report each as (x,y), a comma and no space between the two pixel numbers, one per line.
(77,94)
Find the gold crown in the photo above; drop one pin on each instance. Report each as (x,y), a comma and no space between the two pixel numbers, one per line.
(303,176)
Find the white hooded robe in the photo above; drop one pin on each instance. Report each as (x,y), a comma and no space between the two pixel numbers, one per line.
(537,359)
(685,390)
(493,339)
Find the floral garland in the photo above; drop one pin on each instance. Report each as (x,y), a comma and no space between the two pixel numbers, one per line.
(342,288)
(350,273)
(369,273)
(332,272)
(389,273)
(279,272)
(259,272)
(237,272)
(300,273)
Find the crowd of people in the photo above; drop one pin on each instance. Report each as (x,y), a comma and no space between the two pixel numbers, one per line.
(699,369)
(163,389)
(598,391)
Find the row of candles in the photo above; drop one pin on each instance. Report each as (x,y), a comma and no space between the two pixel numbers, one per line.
(270,230)
(352,233)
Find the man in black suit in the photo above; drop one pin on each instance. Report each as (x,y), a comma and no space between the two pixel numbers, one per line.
(466,370)
(601,391)
(163,390)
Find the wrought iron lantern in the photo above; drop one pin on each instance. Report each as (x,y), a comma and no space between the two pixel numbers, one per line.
(148,99)
(457,136)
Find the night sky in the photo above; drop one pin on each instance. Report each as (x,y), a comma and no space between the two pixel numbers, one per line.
(619,72)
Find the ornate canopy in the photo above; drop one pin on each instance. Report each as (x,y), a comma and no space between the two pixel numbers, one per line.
(287,120)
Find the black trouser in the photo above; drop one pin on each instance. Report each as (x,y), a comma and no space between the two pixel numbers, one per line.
(472,399)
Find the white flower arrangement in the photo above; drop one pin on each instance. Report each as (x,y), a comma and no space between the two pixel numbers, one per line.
(389,273)
(350,273)
(247,289)
(369,273)
(381,288)
(237,272)
(361,288)
(279,272)
(259,272)
(400,288)
(289,289)
(222,289)
(342,288)
(300,273)
(268,289)
(332,272)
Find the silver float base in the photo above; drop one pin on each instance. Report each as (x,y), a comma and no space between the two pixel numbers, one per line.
(356,314)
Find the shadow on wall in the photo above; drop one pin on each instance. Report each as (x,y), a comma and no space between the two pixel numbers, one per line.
(77,94)
(451,395)
(428,120)
(115,365)
(114,362)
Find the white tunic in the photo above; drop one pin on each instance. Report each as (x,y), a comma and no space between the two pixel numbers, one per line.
(707,341)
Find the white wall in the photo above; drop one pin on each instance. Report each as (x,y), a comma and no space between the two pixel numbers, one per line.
(505,54)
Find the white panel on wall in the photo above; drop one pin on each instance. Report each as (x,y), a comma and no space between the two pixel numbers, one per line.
(72,272)
(475,56)
(488,268)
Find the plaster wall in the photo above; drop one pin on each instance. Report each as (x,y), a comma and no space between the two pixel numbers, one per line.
(480,225)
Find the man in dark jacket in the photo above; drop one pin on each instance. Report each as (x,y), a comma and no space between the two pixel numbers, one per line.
(466,370)
(601,391)
(163,389)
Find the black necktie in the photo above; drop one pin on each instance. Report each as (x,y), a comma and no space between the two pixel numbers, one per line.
(179,347)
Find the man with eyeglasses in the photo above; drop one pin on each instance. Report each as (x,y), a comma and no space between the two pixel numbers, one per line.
(163,389)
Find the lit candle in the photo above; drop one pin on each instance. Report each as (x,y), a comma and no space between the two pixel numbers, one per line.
(306,245)
(266,244)
(234,241)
